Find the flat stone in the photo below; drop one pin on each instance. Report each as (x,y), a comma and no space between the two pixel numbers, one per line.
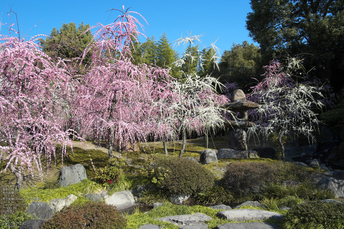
(121,200)
(196,226)
(248,214)
(150,226)
(181,220)
(253,225)
(221,207)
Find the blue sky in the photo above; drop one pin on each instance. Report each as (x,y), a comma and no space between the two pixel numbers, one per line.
(221,20)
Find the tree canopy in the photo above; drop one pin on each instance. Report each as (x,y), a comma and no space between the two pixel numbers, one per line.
(68,42)
(241,64)
(310,29)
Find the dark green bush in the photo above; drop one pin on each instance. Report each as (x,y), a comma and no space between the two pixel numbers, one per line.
(242,178)
(251,178)
(317,214)
(87,215)
(215,195)
(180,176)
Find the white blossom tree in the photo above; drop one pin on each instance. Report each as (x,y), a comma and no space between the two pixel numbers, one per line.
(286,106)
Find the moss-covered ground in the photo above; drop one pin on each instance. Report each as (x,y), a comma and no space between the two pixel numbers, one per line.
(43,186)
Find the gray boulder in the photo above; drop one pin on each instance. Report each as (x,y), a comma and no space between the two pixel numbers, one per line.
(32,224)
(181,220)
(121,200)
(332,184)
(227,153)
(208,156)
(58,204)
(253,225)
(41,210)
(314,163)
(248,214)
(72,175)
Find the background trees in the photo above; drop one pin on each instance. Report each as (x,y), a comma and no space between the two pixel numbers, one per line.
(241,64)
(312,29)
(69,42)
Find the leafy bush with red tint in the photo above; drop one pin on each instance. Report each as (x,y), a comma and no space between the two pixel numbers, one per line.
(88,215)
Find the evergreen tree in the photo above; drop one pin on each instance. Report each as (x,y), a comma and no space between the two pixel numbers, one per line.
(166,55)
(312,28)
(209,62)
(241,64)
(149,51)
(68,43)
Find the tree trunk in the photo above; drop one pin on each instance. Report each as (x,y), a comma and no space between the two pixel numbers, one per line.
(165,146)
(112,129)
(281,146)
(19,177)
(111,140)
(184,142)
(206,140)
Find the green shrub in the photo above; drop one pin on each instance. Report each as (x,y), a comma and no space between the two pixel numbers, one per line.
(11,200)
(290,201)
(315,215)
(110,174)
(89,215)
(215,195)
(241,178)
(180,176)
(14,220)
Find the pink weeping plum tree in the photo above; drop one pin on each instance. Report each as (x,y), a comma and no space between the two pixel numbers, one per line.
(32,106)
(116,98)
